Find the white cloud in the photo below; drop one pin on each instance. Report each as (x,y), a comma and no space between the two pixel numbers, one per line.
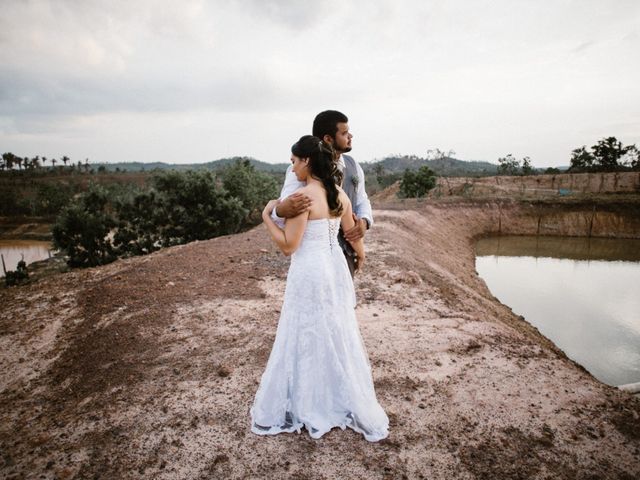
(482,78)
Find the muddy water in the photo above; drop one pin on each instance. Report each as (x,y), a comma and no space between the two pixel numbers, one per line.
(583,294)
(13,250)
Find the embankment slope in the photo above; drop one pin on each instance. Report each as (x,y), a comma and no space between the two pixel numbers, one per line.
(146,368)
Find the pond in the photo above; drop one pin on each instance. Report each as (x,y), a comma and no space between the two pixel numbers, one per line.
(581,293)
(14,250)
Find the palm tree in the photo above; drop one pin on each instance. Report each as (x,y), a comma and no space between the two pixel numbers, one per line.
(53,162)
(44,160)
(65,159)
(10,160)
(86,164)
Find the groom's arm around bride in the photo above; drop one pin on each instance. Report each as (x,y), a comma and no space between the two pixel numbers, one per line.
(332,127)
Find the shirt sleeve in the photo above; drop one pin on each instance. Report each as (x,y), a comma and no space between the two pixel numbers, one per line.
(291,184)
(362,208)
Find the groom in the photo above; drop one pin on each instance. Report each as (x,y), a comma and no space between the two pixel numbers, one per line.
(332,127)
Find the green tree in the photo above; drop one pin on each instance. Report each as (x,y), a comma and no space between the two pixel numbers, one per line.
(10,160)
(51,198)
(527,169)
(508,165)
(83,229)
(581,160)
(608,152)
(608,155)
(140,223)
(194,207)
(633,157)
(254,189)
(416,184)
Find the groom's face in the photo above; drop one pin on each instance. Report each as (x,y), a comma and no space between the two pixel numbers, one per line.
(342,141)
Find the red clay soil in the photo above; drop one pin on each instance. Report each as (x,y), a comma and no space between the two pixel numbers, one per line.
(146,368)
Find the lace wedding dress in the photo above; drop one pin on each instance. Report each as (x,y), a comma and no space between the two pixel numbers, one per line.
(318,374)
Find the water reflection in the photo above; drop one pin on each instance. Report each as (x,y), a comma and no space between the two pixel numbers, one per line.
(582,294)
(576,248)
(14,250)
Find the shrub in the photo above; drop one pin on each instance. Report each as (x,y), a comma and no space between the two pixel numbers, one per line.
(178,207)
(83,230)
(254,189)
(17,276)
(415,184)
(51,198)
(191,207)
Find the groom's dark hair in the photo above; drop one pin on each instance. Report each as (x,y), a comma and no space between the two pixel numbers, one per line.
(326,123)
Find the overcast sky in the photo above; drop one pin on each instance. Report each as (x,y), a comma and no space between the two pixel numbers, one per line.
(193,80)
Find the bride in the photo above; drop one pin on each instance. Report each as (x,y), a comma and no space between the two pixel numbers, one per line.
(318,374)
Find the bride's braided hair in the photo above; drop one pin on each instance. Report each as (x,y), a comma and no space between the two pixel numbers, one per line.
(321,166)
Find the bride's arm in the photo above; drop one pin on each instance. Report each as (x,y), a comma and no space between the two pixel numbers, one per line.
(287,240)
(347,222)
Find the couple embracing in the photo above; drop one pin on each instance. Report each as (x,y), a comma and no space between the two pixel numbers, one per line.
(318,375)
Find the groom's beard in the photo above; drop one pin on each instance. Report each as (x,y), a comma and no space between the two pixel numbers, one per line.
(343,150)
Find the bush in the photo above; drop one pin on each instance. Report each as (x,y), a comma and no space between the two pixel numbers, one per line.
(191,206)
(254,189)
(178,207)
(82,230)
(415,184)
(12,203)
(17,276)
(138,232)
(51,198)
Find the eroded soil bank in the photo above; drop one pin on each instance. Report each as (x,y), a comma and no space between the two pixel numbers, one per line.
(146,368)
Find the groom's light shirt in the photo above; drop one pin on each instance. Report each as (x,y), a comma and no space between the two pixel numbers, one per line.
(362,208)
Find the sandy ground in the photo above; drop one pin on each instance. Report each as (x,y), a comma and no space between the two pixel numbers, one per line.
(146,368)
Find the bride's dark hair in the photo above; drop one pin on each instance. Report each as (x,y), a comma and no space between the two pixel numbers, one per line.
(322,167)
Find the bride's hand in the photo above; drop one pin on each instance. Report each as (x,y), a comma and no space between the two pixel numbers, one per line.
(269,208)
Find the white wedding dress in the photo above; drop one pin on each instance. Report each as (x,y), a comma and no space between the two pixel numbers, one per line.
(318,374)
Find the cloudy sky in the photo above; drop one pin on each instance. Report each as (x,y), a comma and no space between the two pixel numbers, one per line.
(196,80)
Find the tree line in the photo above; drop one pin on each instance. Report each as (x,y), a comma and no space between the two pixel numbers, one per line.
(10,161)
(608,155)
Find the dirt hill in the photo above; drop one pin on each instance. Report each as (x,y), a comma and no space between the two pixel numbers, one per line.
(146,368)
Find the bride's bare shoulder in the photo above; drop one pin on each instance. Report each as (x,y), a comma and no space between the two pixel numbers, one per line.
(312,190)
(342,196)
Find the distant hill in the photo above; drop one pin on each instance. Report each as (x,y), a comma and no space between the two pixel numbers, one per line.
(445,166)
(213,165)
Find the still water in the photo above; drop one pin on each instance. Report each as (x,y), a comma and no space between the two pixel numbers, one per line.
(13,250)
(583,294)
